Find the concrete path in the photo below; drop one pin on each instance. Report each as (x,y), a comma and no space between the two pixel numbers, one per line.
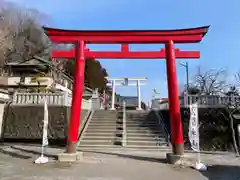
(111,165)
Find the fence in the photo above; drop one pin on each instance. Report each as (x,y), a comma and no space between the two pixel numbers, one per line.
(59,98)
(208,100)
(203,101)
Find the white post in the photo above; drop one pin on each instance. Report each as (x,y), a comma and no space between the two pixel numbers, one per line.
(113,94)
(42,159)
(139,95)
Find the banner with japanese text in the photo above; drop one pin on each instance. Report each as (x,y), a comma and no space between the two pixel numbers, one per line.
(193,133)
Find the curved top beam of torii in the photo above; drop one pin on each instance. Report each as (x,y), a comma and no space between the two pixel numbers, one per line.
(191,35)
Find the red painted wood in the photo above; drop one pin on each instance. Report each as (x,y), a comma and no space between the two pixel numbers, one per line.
(128,39)
(126,54)
(62,32)
(78,87)
(174,106)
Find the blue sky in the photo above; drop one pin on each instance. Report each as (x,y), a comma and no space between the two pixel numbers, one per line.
(219,49)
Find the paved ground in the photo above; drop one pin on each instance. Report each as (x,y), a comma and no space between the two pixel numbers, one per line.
(115,165)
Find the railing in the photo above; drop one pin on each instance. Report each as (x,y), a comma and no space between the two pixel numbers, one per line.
(124,131)
(37,98)
(208,100)
(59,98)
(203,101)
(162,123)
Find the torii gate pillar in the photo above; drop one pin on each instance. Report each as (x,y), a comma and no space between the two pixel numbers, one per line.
(174,106)
(78,86)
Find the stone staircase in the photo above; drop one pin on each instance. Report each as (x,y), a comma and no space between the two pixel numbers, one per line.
(144,130)
(102,131)
(105,130)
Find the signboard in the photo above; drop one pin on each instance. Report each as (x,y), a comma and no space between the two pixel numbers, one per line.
(193,133)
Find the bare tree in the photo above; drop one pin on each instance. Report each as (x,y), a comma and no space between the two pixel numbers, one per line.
(237,78)
(21,34)
(211,82)
(6,32)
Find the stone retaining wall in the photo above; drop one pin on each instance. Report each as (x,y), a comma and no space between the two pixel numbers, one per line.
(25,122)
(215,131)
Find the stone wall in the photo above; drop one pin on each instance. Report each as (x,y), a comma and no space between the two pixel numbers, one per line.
(215,131)
(24,123)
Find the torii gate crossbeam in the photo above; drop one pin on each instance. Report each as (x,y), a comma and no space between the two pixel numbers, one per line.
(167,37)
(125,53)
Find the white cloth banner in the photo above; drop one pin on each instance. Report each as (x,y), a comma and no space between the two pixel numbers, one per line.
(193,133)
(42,159)
(45,125)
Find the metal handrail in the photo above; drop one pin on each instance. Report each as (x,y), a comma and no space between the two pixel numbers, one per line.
(160,121)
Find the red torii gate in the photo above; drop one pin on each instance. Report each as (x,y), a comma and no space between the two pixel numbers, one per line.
(126,37)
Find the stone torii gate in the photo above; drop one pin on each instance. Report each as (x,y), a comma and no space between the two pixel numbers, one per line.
(125,37)
(125,82)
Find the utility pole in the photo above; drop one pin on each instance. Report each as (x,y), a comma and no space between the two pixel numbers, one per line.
(187,73)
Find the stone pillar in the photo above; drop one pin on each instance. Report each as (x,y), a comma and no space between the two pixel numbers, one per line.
(113,94)
(139,95)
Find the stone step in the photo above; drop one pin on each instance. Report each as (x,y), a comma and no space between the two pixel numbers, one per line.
(145,135)
(144,131)
(104,115)
(114,125)
(104,119)
(144,138)
(110,138)
(105,111)
(97,142)
(97,147)
(140,122)
(137,115)
(97,130)
(145,143)
(137,147)
(136,118)
(143,126)
(107,134)
(104,122)
(150,128)
(93,128)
